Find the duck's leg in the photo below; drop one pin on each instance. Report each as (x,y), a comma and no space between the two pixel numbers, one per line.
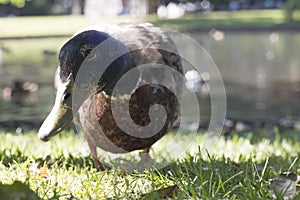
(145,155)
(93,150)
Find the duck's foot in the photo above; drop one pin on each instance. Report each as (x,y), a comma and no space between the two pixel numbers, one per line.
(146,159)
(145,155)
(97,164)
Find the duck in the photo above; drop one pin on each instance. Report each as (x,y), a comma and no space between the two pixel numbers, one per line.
(93,63)
(20,92)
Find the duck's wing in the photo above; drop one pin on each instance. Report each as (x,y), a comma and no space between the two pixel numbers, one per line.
(149,44)
(153,47)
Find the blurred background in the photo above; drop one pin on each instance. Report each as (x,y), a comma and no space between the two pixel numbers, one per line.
(254,43)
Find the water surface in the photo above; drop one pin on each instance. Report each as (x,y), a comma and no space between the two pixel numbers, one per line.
(261,72)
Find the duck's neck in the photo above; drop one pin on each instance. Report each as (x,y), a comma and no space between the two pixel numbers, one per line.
(126,84)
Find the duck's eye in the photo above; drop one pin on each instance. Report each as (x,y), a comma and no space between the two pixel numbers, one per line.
(66,95)
(90,54)
(87,52)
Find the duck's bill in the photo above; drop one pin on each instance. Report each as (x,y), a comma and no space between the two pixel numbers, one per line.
(58,119)
(61,114)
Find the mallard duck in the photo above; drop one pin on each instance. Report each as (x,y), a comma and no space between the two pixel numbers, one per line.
(144,45)
(20,92)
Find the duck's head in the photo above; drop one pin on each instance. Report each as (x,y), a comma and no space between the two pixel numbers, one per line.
(90,62)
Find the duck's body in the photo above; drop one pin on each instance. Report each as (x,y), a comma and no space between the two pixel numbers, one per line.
(97,112)
(104,114)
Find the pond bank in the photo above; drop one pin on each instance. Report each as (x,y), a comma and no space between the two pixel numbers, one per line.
(239,20)
(230,125)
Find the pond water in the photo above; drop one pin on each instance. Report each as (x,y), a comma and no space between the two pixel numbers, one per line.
(261,73)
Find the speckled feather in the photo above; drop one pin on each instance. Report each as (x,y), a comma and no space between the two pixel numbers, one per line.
(99,124)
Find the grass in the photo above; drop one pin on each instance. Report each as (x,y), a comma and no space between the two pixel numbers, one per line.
(68,25)
(48,25)
(228,20)
(236,168)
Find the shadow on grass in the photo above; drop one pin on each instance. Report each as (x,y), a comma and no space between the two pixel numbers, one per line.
(8,157)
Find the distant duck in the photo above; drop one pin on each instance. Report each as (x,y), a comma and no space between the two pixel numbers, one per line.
(20,91)
(49,52)
(143,45)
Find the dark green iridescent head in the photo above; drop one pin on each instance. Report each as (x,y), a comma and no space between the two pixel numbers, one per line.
(98,52)
(87,57)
